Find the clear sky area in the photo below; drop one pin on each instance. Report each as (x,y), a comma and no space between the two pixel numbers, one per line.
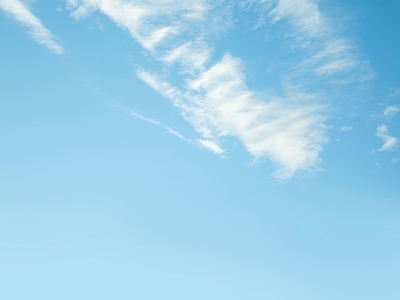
(196,149)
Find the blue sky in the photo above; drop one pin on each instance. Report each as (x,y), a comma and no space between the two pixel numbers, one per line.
(199,149)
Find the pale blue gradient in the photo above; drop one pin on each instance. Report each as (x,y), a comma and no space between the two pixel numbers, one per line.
(96,203)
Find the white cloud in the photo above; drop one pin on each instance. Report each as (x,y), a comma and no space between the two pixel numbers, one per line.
(214,98)
(391,110)
(21,13)
(218,103)
(389,142)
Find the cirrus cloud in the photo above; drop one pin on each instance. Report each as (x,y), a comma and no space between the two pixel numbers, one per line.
(21,13)
(214,97)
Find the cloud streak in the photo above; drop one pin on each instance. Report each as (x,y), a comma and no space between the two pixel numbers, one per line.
(153,121)
(21,13)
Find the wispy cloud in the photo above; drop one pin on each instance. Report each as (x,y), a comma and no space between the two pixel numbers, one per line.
(218,103)
(395,160)
(389,142)
(211,145)
(214,97)
(153,121)
(21,13)
(149,22)
(395,93)
(166,127)
(345,128)
(390,111)
(304,15)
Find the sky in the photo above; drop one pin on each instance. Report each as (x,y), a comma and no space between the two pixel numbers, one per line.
(200,149)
